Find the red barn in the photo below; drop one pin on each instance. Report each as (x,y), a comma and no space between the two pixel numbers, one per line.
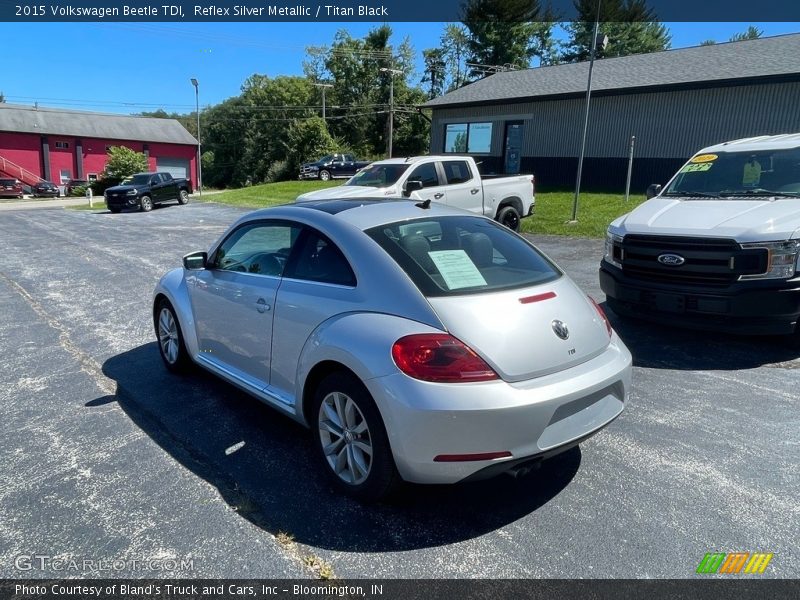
(59,144)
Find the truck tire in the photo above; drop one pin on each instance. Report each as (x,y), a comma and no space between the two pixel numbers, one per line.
(509,217)
(324,175)
(183,197)
(146,204)
(114,209)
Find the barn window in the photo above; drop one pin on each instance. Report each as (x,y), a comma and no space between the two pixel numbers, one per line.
(62,145)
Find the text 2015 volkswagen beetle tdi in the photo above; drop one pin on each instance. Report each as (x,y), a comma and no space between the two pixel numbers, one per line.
(418,342)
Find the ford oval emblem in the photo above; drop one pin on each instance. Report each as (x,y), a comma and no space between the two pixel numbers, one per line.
(560,329)
(671,260)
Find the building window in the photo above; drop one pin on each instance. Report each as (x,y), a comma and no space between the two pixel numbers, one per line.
(66,175)
(475,138)
(62,145)
(91,177)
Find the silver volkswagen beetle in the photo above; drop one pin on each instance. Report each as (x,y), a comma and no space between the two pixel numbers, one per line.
(418,342)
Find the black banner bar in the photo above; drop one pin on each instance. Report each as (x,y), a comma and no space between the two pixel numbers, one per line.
(735,587)
(744,11)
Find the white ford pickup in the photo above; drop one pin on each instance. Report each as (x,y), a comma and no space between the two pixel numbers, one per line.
(451,180)
(719,246)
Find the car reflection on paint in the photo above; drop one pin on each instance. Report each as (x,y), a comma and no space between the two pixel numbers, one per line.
(419,343)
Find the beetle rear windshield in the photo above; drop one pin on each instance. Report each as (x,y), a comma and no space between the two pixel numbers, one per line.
(450,256)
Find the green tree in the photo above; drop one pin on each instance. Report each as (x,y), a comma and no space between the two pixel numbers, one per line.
(359,99)
(708,43)
(435,71)
(2,98)
(123,162)
(751,33)
(454,42)
(308,139)
(630,25)
(502,32)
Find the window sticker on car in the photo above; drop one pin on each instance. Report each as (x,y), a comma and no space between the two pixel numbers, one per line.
(457,270)
(704,158)
(698,167)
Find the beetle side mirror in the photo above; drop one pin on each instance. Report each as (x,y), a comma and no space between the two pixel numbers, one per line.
(411,186)
(195,261)
(653,190)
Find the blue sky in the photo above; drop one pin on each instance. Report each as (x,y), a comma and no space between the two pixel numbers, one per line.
(131,67)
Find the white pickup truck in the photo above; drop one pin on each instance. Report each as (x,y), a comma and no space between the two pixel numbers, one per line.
(451,180)
(718,247)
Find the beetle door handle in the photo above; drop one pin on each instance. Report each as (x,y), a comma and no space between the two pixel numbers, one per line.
(262,306)
(474,191)
(438,195)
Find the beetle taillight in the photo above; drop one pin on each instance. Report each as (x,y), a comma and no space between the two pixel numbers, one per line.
(441,358)
(603,316)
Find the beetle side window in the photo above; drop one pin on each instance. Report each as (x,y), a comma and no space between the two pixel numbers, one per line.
(260,248)
(319,259)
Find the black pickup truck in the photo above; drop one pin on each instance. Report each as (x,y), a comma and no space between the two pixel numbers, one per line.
(332,166)
(144,190)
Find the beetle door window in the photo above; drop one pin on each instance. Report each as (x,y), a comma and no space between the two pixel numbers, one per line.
(257,248)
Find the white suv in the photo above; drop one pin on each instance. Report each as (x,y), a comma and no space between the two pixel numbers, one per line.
(718,247)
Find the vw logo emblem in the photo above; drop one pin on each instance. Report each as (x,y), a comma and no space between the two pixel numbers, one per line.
(671,260)
(560,329)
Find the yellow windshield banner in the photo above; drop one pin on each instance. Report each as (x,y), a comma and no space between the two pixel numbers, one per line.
(704,158)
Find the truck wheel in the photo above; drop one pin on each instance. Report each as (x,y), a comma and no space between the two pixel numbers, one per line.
(146,204)
(509,217)
(324,175)
(183,197)
(114,209)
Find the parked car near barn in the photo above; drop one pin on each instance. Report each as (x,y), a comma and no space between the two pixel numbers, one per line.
(332,166)
(45,189)
(145,190)
(717,248)
(451,180)
(417,341)
(11,188)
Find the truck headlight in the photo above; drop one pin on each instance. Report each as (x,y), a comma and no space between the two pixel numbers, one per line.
(132,192)
(783,259)
(608,255)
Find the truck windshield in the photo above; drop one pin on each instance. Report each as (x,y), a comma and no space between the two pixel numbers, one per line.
(137,180)
(739,174)
(378,175)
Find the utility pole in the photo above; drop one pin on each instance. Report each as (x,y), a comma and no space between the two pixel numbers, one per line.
(324,87)
(592,54)
(392,72)
(197,110)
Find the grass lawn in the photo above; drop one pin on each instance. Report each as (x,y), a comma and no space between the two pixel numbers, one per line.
(553,209)
(269,194)
(595,212)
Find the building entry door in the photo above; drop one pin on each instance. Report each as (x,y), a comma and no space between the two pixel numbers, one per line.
(513,147)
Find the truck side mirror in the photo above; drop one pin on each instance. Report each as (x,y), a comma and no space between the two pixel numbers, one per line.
(411,186)
(653,190)
(195,261)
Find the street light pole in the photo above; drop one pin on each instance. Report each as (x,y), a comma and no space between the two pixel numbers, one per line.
(197,110)
(324,87)
(392,72)
(586,113)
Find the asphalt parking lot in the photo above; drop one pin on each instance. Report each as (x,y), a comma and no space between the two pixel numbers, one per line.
(107,456)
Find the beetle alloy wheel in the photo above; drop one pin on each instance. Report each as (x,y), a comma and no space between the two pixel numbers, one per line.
(168,335)
(345,437)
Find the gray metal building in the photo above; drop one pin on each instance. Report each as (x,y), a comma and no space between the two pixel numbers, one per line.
(674,102)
